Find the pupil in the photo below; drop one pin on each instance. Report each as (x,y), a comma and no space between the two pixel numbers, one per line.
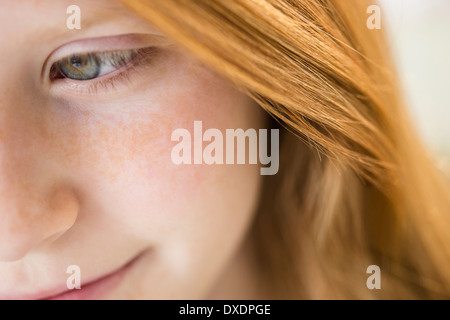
(76,61)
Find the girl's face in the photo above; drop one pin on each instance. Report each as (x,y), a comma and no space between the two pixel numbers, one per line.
(87,177)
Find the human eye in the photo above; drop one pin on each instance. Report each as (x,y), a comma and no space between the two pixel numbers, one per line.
(94,66)
(88,66)
(89,73)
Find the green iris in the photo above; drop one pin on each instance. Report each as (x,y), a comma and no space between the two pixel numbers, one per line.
(80,67)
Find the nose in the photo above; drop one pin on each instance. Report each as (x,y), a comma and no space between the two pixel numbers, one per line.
(28,220)
(36,205)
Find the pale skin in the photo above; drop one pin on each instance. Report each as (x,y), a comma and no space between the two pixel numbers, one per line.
(86,173)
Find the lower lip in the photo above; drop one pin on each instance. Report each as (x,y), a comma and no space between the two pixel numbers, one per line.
(98,289)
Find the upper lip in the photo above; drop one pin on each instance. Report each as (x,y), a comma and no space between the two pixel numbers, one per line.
(59,290)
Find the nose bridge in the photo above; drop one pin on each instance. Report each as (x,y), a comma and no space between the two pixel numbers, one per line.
(34,204)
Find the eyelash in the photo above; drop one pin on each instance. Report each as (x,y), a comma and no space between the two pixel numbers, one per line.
(125,67)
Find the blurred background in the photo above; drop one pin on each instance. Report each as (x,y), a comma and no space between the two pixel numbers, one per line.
(419,33)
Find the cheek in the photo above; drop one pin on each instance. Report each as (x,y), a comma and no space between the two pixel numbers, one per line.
(132,148)
(123,160)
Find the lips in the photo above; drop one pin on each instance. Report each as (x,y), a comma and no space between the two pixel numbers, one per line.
(96,289)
